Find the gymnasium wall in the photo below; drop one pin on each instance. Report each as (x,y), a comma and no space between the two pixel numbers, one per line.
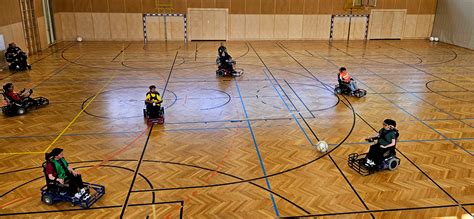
(454,22)
(248,19)
(11,26)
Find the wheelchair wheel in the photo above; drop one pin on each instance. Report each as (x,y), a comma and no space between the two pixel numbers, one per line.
(144,112)
(393,163)
(337,90)
(47,199)
(21,111)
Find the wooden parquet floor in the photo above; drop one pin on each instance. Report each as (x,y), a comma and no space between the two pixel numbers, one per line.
(244,147)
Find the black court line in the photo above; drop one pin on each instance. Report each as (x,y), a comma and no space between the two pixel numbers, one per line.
(93,208)
(124,206)
(146,143)
(413,163)
(443,111)
(301,100)
(406,156)
(377,211)
(195,51)
(121,51)
(353,125)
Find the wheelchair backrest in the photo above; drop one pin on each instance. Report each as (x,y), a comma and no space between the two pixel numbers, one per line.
(7,98)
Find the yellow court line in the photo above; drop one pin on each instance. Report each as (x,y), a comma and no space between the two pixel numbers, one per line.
(18,153)
(78,114)
(154,213)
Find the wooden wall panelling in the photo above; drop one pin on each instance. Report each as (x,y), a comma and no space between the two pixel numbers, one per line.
(149,6)
(194,4)
(358,28)
(297,6)
(116,6)
(223,4)
(427,7)
(208,25)
(282,6)
(237,7)
(176,28)
(68,26)
(281,26)
(387,23)
(267,6)
(310,26)
(323,26)
(252,6)
(338,7)
(13,11)
(195,24)
(311,6)
(133,6)
(155,28)
(409,30)
(375,24)
(398,24)
(413,6)
(237,26)
(18,37)
(424,26)
(134,26)
(295,27)
(101,6)
(84,25)
(267,26)
(208,3)
(58,27)
(221,22)
(325,7)
(118,26)
(341,28)
(42,32)
(179,6)
(101,23)
(400,4)
(252,26)
(82,6)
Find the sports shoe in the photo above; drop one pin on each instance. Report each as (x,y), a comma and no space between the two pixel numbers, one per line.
(370,162)
(77,195)
(86,196)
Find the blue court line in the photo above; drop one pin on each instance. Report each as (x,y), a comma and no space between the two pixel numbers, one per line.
(288,108)
(419,120)
(258,151)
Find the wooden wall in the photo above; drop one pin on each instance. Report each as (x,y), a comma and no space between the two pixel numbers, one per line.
(248,19)
(11,26)
(239,6)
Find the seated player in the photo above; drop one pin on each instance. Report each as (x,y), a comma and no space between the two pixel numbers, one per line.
(345,79)
(386,141)
(58,170)
(16,57)
(17,97)
(153,102)
(225,60)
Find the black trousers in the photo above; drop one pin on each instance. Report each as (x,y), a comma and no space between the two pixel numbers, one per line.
(75,183)
(376,153)
(153,111)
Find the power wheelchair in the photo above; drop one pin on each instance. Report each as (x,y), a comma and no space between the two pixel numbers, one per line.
(14,107)
(54,192)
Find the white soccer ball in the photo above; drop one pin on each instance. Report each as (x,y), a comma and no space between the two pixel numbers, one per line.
(432,39)
(322,146)
(436,39)
(79,39)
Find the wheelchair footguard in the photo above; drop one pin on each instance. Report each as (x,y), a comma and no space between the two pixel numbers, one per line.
(346,91)
(96,192)
(159,119)
(13,109)
(358,163)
